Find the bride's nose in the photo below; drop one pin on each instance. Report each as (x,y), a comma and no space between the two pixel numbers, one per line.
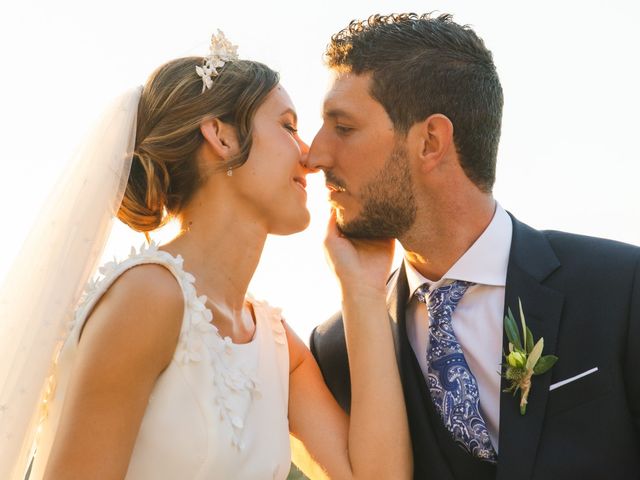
(304,148)
(304,151)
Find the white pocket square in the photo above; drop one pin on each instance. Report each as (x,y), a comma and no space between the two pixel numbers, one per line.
(573,379)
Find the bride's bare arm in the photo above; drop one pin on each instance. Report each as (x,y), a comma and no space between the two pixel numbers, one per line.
(128,340)
(374,442)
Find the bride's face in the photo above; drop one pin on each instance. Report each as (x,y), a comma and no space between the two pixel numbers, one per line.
(272,180)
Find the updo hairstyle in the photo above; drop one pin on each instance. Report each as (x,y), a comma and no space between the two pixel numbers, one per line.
(164,171)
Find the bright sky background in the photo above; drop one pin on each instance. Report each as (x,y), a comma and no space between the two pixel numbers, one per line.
(570,71)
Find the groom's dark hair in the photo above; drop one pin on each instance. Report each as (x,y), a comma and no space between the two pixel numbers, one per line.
(421,65)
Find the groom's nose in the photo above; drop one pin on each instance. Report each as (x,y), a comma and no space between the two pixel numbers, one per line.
(319,157)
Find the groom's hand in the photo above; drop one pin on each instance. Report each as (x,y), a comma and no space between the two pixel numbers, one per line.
(361,265)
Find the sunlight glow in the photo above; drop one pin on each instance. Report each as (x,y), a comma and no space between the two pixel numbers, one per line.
(568,157)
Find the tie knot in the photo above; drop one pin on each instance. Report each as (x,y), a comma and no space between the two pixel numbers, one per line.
(442,301)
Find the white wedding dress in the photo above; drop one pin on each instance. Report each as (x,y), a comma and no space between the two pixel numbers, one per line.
(219,410)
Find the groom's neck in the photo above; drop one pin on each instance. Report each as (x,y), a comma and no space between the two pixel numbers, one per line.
(445,228)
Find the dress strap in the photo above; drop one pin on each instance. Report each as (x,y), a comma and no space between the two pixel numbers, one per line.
(111,271)
(275,339)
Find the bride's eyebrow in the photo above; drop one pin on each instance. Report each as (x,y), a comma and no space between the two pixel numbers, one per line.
(292,112)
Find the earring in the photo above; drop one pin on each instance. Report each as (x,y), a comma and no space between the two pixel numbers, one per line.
(229,172)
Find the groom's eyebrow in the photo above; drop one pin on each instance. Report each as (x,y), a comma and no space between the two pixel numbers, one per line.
(334,113)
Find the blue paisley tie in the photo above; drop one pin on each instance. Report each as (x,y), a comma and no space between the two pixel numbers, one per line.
(454,389)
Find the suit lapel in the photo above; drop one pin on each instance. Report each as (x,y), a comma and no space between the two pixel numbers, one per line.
(531,261)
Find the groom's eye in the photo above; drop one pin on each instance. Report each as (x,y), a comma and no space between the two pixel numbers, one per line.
(342,130)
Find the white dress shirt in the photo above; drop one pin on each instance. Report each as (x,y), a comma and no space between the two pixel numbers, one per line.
(478,319)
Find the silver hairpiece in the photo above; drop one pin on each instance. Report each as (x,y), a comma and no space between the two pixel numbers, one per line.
(221,51)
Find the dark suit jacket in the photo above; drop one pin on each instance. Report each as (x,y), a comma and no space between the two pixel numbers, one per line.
(582,295)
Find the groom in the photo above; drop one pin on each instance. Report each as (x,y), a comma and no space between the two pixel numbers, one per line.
(408,147)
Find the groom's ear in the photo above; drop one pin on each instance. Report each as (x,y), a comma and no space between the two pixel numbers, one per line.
(432,141)
(219,138)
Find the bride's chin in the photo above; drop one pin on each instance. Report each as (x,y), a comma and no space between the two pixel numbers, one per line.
(294,225)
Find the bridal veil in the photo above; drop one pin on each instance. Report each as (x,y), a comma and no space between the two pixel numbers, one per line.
(42,289)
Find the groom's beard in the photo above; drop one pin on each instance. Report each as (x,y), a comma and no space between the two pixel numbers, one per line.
(388,204)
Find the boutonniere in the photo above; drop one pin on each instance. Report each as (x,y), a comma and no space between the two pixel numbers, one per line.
(524,359)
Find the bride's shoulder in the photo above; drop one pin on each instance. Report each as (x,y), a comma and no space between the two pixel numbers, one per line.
(144,255)
(145,297)
(146,273)
(141,298)
(149,279)
(146,285)
(128,338)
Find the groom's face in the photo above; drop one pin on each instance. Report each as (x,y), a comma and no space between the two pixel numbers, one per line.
(365,162)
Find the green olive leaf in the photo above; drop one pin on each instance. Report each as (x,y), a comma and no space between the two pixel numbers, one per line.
(524,325)
(544,364)
(535,354)
(529,341)
(511,330)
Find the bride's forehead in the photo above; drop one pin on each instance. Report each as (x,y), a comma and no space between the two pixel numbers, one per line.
(279,99)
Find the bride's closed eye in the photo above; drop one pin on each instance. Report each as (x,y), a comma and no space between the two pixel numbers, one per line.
(291,128)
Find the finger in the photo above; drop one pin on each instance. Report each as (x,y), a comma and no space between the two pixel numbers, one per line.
(333,231)
(331,224)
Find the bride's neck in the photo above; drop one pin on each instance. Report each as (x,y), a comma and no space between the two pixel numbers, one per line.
(222,251)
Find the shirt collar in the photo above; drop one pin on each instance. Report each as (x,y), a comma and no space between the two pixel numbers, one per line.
(484,263)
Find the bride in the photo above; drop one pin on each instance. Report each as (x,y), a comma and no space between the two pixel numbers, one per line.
(170,370)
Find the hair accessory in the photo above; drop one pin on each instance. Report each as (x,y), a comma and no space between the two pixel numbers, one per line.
(221,51)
